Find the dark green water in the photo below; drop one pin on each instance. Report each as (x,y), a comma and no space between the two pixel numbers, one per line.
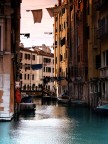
(56,124)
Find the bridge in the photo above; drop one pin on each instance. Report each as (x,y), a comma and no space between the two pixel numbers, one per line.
(37,93)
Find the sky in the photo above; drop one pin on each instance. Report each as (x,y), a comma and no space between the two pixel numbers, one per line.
(36,30)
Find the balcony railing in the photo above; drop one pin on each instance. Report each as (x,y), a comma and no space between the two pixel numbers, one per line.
(104,72)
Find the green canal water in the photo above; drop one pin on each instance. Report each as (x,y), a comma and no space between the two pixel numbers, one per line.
(56,124)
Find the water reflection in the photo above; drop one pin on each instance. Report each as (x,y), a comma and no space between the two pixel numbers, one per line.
(56,124)
(28,115)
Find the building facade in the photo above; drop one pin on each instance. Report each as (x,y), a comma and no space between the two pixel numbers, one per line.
(78,51)
(60,47)
(32,79)
(71,48)
(9,46)
(98,52)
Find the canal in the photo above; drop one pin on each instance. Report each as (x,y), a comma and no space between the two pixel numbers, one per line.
(56,124)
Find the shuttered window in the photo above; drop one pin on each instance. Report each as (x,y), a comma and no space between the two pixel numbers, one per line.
(98,61)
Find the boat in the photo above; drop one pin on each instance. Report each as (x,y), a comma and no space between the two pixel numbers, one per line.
(78,102)
(27,104)
(63,99)
(102,109)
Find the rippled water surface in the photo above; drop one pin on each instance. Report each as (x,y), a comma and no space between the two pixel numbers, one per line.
(56,124)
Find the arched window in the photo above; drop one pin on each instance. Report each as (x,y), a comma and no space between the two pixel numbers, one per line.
(33,86)
(28,87)
(24,87)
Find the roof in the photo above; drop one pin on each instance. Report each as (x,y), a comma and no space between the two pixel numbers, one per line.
(37,51)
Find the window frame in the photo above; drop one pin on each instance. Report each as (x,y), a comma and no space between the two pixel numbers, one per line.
(1,37)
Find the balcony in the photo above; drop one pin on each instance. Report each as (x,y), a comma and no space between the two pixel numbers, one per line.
(102,31)
(104,72)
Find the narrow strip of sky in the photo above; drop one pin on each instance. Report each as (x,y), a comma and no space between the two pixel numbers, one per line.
(37,30)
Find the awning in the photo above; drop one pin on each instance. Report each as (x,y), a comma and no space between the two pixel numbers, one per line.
(36,66)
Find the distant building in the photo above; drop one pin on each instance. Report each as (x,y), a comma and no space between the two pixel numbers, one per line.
(30,78)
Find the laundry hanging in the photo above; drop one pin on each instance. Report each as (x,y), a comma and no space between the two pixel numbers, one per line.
(37,15)
(51,11)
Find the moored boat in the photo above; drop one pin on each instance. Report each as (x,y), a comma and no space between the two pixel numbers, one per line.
(27,104)
(63,99)
(78,102)
(102,109)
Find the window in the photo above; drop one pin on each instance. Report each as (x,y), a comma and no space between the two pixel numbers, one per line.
(87,32)
(55,43)
(20,76)
(1,37)
(21,55)
(27,66)
(25,76)
(32,77)
(78,57)
(63,11)
(24,87)
(33,57)
(60,69)
(48,69)
(56,60)
(48,87)
(47,60)
(44,69)
(63,41)
(103,87)
(21,65)
(91,88)
(29,56)
(28,76)
(105,58)
(98,61)
(61,57)
(25,56)
(33,86)
(53,70)
(1,7)
(79,4)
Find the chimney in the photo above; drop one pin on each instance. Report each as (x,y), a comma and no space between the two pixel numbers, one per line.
(59,2)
